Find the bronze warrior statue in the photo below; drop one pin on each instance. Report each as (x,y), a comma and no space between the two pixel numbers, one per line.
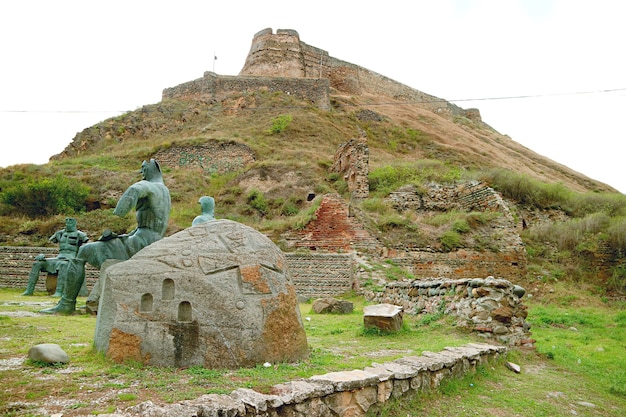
(69,239)
(151,200)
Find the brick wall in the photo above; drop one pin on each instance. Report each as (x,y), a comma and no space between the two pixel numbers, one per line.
(333,229)
(321,275)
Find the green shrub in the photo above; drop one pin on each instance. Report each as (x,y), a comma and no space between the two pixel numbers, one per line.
(461,226)
(46,197)
(256,200)
(280,123)
(450,240)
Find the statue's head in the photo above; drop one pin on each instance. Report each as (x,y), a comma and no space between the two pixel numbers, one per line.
(208,204)
(70,224)
(151,171)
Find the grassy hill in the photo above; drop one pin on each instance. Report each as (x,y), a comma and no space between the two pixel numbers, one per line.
(294,144)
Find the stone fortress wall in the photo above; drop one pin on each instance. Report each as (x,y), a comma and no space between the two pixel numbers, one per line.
(282,62)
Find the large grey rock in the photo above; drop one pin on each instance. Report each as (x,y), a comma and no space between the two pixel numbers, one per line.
(218,295)
(48,352)
(386,317)
(332,305)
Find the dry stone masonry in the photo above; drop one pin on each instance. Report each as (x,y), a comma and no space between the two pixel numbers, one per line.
(492,307)
(342,394)
(211,157)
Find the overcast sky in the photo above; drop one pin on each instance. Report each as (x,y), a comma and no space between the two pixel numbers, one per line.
(550,74)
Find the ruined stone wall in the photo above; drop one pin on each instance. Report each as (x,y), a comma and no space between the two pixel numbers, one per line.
(470,196)
(509,260)
(345,393)
(212,87)
(352,160)
(492,307)
(211,157)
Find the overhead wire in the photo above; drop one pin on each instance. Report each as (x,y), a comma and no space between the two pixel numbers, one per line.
(390,103)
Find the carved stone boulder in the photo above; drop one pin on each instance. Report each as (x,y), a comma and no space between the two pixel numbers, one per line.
(217,295)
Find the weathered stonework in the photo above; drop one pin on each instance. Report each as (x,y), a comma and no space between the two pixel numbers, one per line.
(216,295)
(509,260)
(283,54)
(352,161)
(215,88)
(342,394)
(211,157)
(492,307)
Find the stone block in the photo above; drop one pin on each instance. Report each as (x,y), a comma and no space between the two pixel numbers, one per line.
(386,317)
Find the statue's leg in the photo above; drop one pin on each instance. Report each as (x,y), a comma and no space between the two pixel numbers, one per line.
(61,278)
(33,277)
(75,275)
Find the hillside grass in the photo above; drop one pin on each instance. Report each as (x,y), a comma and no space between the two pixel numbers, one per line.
(578,366)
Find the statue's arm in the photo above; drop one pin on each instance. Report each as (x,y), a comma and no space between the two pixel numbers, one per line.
(56,237)
(129,199)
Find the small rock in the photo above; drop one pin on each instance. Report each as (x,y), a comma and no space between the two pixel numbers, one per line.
(48,352)
(586,404)
(513,367)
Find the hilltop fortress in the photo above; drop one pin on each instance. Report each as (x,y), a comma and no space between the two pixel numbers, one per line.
(282,62)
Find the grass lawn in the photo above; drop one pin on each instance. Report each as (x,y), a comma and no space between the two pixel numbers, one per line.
(579,365)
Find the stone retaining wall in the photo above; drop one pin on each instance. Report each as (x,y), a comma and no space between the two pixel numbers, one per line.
(211,157)
(314,275)
(492,307)
(348,393)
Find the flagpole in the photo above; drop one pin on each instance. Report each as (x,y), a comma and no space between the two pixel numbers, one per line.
(214,59)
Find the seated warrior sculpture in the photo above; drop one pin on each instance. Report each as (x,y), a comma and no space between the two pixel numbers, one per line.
(152,203)
(69,240)
(207,204)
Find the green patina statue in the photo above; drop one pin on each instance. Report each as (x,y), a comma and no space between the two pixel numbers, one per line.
(69,239)
(207,204)
(152,203)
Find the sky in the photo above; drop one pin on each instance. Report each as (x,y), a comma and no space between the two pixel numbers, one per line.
(548,73)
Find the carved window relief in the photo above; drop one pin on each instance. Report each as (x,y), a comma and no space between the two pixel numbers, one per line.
(168,289)
(146,303)
(184,311)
